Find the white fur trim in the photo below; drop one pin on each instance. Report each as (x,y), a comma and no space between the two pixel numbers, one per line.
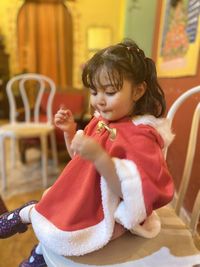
(150,228)
(162,126)
(78,242)
(131,210)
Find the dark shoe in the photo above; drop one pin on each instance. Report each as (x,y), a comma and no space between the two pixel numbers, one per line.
(10,222)
(35,260)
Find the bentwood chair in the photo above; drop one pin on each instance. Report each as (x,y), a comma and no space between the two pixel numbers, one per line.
(29,88)
(178,243)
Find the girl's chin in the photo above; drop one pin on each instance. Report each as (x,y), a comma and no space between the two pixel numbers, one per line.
(108,117)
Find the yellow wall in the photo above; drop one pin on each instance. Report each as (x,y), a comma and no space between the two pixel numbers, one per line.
(85,13)
(8,16)
(88,13)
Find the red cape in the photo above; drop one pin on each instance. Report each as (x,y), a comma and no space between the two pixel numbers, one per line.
(75,203)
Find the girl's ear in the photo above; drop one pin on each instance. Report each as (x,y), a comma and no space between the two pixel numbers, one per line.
(139,90)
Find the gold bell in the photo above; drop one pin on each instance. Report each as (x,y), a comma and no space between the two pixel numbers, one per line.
(112,131)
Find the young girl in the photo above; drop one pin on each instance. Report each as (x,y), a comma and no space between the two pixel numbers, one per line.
(118,175)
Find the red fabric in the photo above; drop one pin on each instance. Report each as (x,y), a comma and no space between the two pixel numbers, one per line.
(74,201)
(73,101)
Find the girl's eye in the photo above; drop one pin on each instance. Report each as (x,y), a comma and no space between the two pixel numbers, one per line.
(93,92)
(110,93)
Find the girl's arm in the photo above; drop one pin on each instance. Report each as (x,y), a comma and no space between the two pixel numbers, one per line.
(106,168)
(65,121)
(68,139)
(89,149)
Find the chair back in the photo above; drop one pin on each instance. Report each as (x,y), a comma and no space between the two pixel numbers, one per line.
(74,99)
(190,149)
(23,83)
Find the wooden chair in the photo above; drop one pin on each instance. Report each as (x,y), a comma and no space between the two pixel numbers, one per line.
(71,98)
(31,87)
(178,243)
(4,134)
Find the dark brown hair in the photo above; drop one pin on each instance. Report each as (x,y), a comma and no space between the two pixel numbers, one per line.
(126,60)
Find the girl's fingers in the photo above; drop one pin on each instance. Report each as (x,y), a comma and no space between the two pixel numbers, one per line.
(62,112)
(60,116)
(68,113)
(58,122)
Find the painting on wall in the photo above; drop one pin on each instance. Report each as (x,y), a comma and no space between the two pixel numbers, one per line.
(179,38)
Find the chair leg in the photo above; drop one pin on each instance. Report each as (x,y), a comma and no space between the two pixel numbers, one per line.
(22,151)
(54,149)
(12,152)
(3,162)
(43,140)
(195,214)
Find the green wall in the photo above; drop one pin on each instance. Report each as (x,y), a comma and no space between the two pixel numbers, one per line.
(139,22)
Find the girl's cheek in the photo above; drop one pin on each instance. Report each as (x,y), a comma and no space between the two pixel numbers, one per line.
(92,102)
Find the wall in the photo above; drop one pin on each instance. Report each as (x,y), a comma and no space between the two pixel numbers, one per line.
(173,87)
(139,23)
(88,13)
(8,17)
(85,13)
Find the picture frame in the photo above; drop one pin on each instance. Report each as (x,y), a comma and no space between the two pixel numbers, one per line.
(179,38)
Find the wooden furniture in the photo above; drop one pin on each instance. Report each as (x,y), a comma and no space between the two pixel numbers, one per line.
(31,127)
(4,134)
(178,243)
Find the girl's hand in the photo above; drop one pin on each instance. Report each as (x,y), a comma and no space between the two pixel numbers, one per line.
(89,149)
(64,120)
(86,146)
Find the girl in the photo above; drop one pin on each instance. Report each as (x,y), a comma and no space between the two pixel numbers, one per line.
(118,175)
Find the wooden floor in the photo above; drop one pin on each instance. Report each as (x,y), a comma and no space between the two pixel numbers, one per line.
(15,249)
(24,184)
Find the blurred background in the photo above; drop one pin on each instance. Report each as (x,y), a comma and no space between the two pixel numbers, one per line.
(56,38)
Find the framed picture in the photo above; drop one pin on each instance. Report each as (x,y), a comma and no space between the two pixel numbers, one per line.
(179,38)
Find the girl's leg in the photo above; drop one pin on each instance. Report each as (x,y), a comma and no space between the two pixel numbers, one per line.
(118,231)
(25,214)
(35,259)
(12,223)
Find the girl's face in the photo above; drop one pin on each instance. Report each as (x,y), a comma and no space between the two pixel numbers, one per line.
(111,103)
